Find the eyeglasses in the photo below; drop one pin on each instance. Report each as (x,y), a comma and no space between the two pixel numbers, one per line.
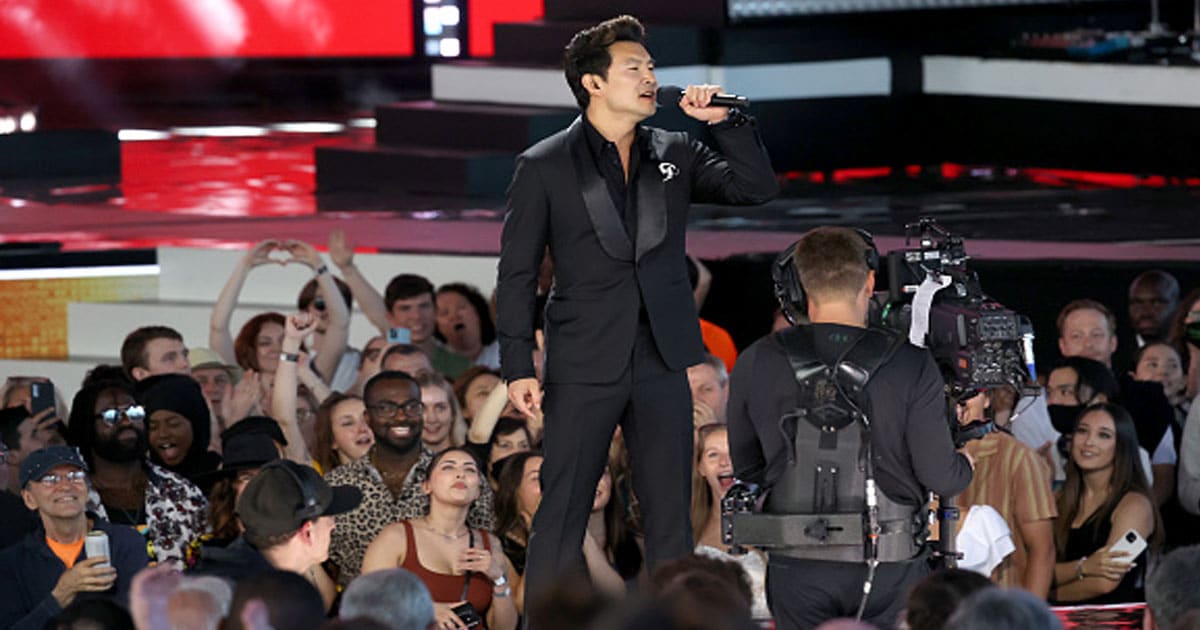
(112,415)
(319,304)
(412,409)
(77,477)
(304,415)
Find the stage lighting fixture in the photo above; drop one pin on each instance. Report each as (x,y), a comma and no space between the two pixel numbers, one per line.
(18,118)
(442,28)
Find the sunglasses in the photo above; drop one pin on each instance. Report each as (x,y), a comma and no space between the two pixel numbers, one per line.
(113,415)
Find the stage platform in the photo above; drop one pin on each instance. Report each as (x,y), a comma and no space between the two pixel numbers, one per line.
(1039,237)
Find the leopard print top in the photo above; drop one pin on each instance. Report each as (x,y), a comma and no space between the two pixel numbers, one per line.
(355,529)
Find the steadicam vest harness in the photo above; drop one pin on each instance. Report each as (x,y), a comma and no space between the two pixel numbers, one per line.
(826,505)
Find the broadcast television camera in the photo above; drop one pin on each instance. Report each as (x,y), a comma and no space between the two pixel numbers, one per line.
(977,342)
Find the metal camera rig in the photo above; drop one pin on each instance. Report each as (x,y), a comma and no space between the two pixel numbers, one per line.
(977,342)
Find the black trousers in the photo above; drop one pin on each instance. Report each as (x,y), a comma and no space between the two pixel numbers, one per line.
(802,594)
(653,406)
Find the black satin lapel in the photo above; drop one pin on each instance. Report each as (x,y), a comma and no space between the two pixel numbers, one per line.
(605,220)
(652,199)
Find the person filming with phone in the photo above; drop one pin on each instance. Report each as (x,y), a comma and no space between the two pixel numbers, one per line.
(1105,513)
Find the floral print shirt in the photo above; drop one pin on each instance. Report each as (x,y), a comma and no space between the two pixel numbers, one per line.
(176,514)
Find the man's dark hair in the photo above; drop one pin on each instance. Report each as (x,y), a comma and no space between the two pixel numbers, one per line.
(831,262)
(932,600)
(104,373)
(81,427)
(406,286)
(1093,375)
(10,426)
(133,349)
(310,290)
(720,582)
(403,350)
(487,329)
(588,51)
(387,375)
(1173,589)
(291,600)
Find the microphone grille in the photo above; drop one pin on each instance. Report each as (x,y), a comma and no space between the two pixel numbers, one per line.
(669,95)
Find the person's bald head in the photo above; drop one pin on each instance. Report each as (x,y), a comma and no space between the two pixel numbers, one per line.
(1153,296)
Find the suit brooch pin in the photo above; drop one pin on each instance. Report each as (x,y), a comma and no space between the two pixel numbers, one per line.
(668,170)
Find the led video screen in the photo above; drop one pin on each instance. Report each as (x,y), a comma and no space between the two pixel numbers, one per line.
(139,29)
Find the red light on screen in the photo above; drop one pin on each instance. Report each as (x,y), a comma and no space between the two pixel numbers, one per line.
(218,28)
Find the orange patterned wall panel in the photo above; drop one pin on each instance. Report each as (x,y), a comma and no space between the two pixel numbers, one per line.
(33,313)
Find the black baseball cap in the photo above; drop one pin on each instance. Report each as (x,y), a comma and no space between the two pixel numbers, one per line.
(43,460)
(284,494)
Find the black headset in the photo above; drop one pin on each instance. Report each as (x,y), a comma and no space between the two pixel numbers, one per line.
(788,288)
(310,503)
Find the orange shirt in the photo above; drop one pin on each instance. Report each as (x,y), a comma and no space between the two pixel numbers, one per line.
(67,552)
(718,343)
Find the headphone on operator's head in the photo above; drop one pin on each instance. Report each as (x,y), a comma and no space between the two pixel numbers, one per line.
(790,291)
(310,503)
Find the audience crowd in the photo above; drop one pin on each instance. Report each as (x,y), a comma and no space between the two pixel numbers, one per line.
(280,478)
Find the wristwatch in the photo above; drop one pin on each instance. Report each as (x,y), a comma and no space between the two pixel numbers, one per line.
(289,356)
(501,582)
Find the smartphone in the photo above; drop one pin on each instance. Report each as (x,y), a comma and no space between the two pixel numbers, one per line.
(41,397)
(399,335)
(1132,542)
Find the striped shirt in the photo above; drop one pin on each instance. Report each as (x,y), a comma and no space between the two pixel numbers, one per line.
(1013,479)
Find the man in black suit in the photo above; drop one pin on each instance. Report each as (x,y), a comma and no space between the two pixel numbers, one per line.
(610,199)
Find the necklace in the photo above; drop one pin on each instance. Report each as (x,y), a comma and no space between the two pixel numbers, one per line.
(451,537)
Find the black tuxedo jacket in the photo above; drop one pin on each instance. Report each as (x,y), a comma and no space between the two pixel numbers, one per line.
(558,198)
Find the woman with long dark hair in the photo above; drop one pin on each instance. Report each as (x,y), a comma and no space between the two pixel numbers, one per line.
(1105,495)
(459,565)
(517,500)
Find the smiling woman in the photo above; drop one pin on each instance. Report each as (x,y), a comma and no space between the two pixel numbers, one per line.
(178,424)
(1104,497)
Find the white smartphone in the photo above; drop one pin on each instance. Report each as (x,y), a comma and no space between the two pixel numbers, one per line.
(1131,542)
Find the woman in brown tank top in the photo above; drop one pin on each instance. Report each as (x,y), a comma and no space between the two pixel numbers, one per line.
(456,563)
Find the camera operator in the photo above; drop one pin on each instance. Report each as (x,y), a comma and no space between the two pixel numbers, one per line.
(910,445)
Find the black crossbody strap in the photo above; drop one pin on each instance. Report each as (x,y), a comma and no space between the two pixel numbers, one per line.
(467,574)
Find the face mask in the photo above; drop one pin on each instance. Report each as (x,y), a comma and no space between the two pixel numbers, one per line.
(1063,417)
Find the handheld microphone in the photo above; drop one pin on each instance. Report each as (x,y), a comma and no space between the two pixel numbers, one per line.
(671,95)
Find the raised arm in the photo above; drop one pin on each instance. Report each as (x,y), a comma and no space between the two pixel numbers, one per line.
(283,397)
(220,339)
(332,344)
(484,422)
(341,252)
(741,173)
(1101,571)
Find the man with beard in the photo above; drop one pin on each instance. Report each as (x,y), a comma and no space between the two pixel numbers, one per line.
(391,474)
(109,428)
